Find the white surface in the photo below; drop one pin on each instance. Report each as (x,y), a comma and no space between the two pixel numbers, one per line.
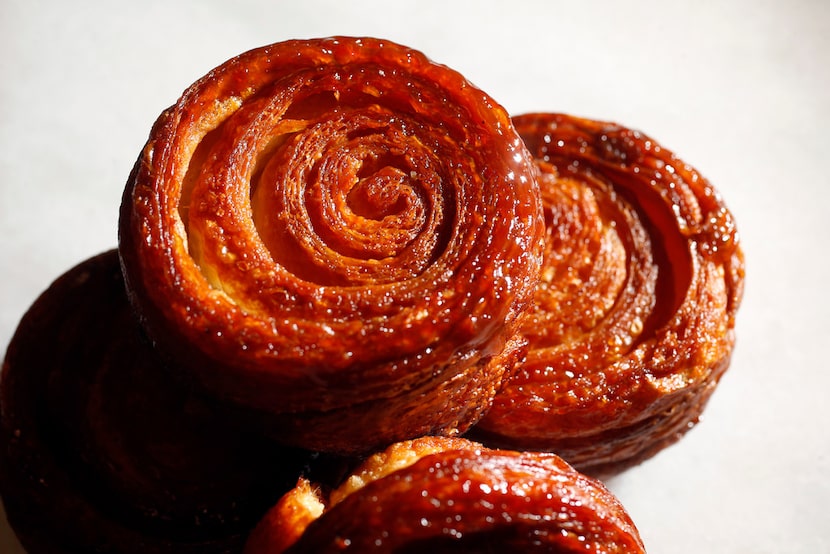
(738,89)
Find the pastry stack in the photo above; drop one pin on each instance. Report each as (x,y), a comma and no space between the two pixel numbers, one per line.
(355,305)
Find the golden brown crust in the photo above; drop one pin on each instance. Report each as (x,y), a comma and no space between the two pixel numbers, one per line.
(397,456)
(101,451)
(632,324)
(453,495)
(336,230)
(285,523)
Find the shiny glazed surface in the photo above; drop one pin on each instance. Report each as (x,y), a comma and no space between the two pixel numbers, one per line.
(451,495)
(633,321)
(339,234)
(100,451)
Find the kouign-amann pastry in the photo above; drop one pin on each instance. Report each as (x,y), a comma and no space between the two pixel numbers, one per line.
(339,245)
(100,451)
(440,494)
(632,323)
(338,236)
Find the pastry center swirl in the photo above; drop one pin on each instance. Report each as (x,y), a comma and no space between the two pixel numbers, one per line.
(342,208)
(346,187)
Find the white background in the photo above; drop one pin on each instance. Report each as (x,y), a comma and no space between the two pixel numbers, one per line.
(738,89)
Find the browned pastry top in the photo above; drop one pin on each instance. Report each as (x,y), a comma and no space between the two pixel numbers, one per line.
(336,229)
(451,495)
(632,323)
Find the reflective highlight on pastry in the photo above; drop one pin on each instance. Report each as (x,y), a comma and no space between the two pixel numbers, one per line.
(338,234)
(633,320)
(437,494)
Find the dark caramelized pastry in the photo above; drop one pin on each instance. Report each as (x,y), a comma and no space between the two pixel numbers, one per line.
(451,495)
(632,323)
(339,236)
(100,451)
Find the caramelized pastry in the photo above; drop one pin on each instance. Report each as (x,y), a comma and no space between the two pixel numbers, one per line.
(633,320)
(338,235)
(451,495)
(100,451)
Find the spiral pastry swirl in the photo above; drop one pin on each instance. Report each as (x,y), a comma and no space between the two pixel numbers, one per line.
(338,234)
(444,494)
(633,319)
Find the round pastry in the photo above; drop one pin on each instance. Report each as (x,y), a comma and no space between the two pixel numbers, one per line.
(339,236)
(100,451)
(632,321)
(451,495)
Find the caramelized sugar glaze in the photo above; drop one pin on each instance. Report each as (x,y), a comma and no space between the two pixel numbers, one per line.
(441,494)
(632,323)
(347,245)
(338,235)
